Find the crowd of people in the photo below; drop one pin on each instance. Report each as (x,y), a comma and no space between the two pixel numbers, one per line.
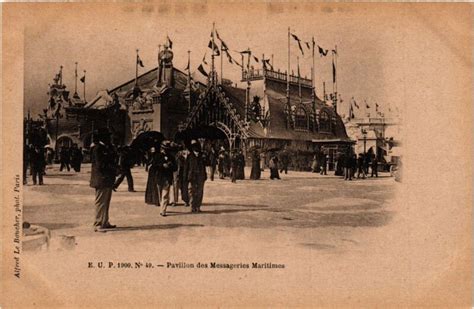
(178,172)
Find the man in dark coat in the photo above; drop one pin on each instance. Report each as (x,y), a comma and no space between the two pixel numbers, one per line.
(103,159)
(348,166)
(182,178)
(37,164)
(374,167)
(240,165)
(195,176)
(360,166)
(234,166)
(273,164)
(166,167)
(284,160)
(76,158)
(125,163)
(65,158)
(255,172)
(324,161)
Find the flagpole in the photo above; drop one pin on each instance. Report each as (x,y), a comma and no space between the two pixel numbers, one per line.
(85,87)
(313,92)
(335,79)
(61,75)
(288,82)
(158,69)
(272,62)
(136,70)
(213,51)
(247,93)
(75,80)
(299,79)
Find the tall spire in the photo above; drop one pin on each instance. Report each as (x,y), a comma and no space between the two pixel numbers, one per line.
(158,71)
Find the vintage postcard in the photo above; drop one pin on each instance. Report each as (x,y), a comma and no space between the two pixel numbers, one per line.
(236,154)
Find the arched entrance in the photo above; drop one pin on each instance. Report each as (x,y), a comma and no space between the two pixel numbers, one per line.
(63,141)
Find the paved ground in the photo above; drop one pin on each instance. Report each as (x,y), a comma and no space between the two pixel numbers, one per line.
(297,203)
(308,222)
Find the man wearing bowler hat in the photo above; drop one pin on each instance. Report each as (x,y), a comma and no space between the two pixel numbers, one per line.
(166,167)
(196,176)
(103,159)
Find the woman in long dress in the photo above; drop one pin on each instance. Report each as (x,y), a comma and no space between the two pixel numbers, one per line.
(255,172)
(152,195)
(274,167)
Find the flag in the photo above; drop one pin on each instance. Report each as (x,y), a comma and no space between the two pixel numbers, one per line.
(140,62)
(83,79)
(204,59)
(334,51)
(351,112)
(322,52)
(203,72)
(229,57)
(307,45)
(170,43)
(187,66)
(367,105)
(297,39)
(256,59)
(214,48)
(376,107)
(245,52)
(52,103)
(333,71)
(223,44)
(267,62)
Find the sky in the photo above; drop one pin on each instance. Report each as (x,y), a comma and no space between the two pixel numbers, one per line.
(102,38)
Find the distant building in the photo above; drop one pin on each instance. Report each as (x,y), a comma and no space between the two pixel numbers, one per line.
(379,134)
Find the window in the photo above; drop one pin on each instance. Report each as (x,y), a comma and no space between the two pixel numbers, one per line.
(324,122)
(301,119)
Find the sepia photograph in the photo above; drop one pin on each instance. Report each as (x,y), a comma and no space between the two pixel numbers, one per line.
(231,154)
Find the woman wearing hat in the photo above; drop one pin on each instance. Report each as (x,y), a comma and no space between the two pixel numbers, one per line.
(151,194)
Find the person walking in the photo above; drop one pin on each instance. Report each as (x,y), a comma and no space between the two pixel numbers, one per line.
(255,172)
(37,165)
(195,176)
(76,158)
(152,196)
(182,180)
(240,165)
(166,167)
(64,158)
(360,166)
(323,170)
(212,161)
(273,165)
(103,159)
(314,163)
(125,164)
(374,167)
(234,165)
(221,163)
(285,160)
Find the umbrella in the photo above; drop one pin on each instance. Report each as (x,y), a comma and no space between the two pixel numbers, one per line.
(144,141)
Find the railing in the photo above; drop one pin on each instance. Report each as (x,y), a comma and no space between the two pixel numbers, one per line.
(256,74)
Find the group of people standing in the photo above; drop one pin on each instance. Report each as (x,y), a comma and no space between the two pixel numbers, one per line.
(184,171)
(70,157)
(350,164)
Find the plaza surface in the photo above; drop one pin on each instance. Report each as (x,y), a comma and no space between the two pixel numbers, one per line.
(321,228)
